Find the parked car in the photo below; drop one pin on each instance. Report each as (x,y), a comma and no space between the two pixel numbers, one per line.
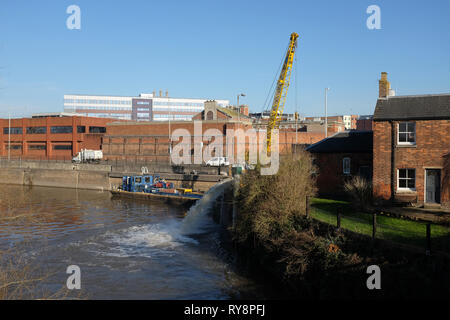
(218,162)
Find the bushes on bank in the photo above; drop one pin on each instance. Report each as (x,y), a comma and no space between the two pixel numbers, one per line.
(269,205)
(272,224)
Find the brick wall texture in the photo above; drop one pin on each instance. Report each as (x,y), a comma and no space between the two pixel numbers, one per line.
(431,151)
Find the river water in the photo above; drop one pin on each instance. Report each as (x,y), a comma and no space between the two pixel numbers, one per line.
(125,248)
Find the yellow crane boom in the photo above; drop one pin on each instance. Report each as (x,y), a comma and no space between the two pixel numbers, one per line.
(281,90)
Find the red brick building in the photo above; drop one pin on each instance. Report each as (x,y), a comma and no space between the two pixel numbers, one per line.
(346,122)
(340,157)
(150,141)
(50,137)
(364,123)
(412,148)
(213,111)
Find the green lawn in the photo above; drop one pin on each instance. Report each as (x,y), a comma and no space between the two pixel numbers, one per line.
(390,228)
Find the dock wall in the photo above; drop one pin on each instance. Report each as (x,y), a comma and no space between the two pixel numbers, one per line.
(92,176)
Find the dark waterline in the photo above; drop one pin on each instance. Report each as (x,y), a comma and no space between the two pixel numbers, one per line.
(126,249)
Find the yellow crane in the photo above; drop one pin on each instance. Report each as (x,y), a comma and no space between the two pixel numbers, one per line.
(281,90)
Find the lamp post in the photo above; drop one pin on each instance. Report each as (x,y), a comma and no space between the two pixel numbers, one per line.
(239,111)
(9,137)
(170,134)
(296,129)
(326,112)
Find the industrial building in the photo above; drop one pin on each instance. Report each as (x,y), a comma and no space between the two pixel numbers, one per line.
(348,121)
(145,107)
(52,137)
(364,122)
(151,142)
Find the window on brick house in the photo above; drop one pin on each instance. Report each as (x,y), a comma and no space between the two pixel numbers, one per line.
(346,165)
(406,133)
(406,179)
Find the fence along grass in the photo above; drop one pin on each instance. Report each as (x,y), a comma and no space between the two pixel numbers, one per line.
(388,228)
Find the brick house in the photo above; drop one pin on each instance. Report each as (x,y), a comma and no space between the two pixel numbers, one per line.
(340,157)
(411,147)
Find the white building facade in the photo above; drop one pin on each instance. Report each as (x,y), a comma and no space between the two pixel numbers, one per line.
(347,122)
(145,107)
(99,106)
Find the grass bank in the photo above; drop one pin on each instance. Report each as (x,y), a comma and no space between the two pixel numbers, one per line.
(388,228)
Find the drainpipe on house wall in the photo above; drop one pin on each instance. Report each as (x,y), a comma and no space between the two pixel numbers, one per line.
(392,160)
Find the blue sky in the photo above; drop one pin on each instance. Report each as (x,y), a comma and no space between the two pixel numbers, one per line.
(217,49)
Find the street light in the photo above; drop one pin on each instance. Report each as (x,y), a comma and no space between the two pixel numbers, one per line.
(170,133)
(239,110)
(9,137)
(326,112)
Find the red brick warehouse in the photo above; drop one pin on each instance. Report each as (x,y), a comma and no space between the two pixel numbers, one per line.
(51,138)
(150,140)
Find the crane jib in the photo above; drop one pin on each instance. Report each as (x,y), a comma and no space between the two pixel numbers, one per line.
(281,90)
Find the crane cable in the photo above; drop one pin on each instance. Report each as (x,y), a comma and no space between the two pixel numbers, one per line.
(271,92)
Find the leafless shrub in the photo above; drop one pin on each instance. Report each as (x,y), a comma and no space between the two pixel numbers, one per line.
(268,205)
(360,190)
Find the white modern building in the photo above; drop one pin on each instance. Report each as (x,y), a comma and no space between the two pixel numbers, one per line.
(99,106)
(347,122)
(145,107)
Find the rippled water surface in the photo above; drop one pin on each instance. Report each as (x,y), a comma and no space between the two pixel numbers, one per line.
(126,249)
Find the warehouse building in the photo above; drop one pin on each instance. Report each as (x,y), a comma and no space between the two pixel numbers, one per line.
(51,137)
(151,141)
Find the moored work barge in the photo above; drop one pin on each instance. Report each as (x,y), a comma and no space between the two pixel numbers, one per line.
(154,187)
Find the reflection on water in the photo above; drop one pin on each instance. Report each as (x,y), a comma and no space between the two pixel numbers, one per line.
(126,249)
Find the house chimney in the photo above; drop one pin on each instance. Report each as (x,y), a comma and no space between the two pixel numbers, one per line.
(160,93)
(167,93)
(384,86)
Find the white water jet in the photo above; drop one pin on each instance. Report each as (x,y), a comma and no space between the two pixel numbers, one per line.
(166,236)
(195,221)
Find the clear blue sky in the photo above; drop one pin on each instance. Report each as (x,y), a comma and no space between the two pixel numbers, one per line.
(217,49)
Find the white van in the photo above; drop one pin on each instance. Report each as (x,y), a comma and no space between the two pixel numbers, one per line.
(218,162)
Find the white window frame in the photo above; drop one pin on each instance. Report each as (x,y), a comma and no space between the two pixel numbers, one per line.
(406,143)
(344,160)
(407,178)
